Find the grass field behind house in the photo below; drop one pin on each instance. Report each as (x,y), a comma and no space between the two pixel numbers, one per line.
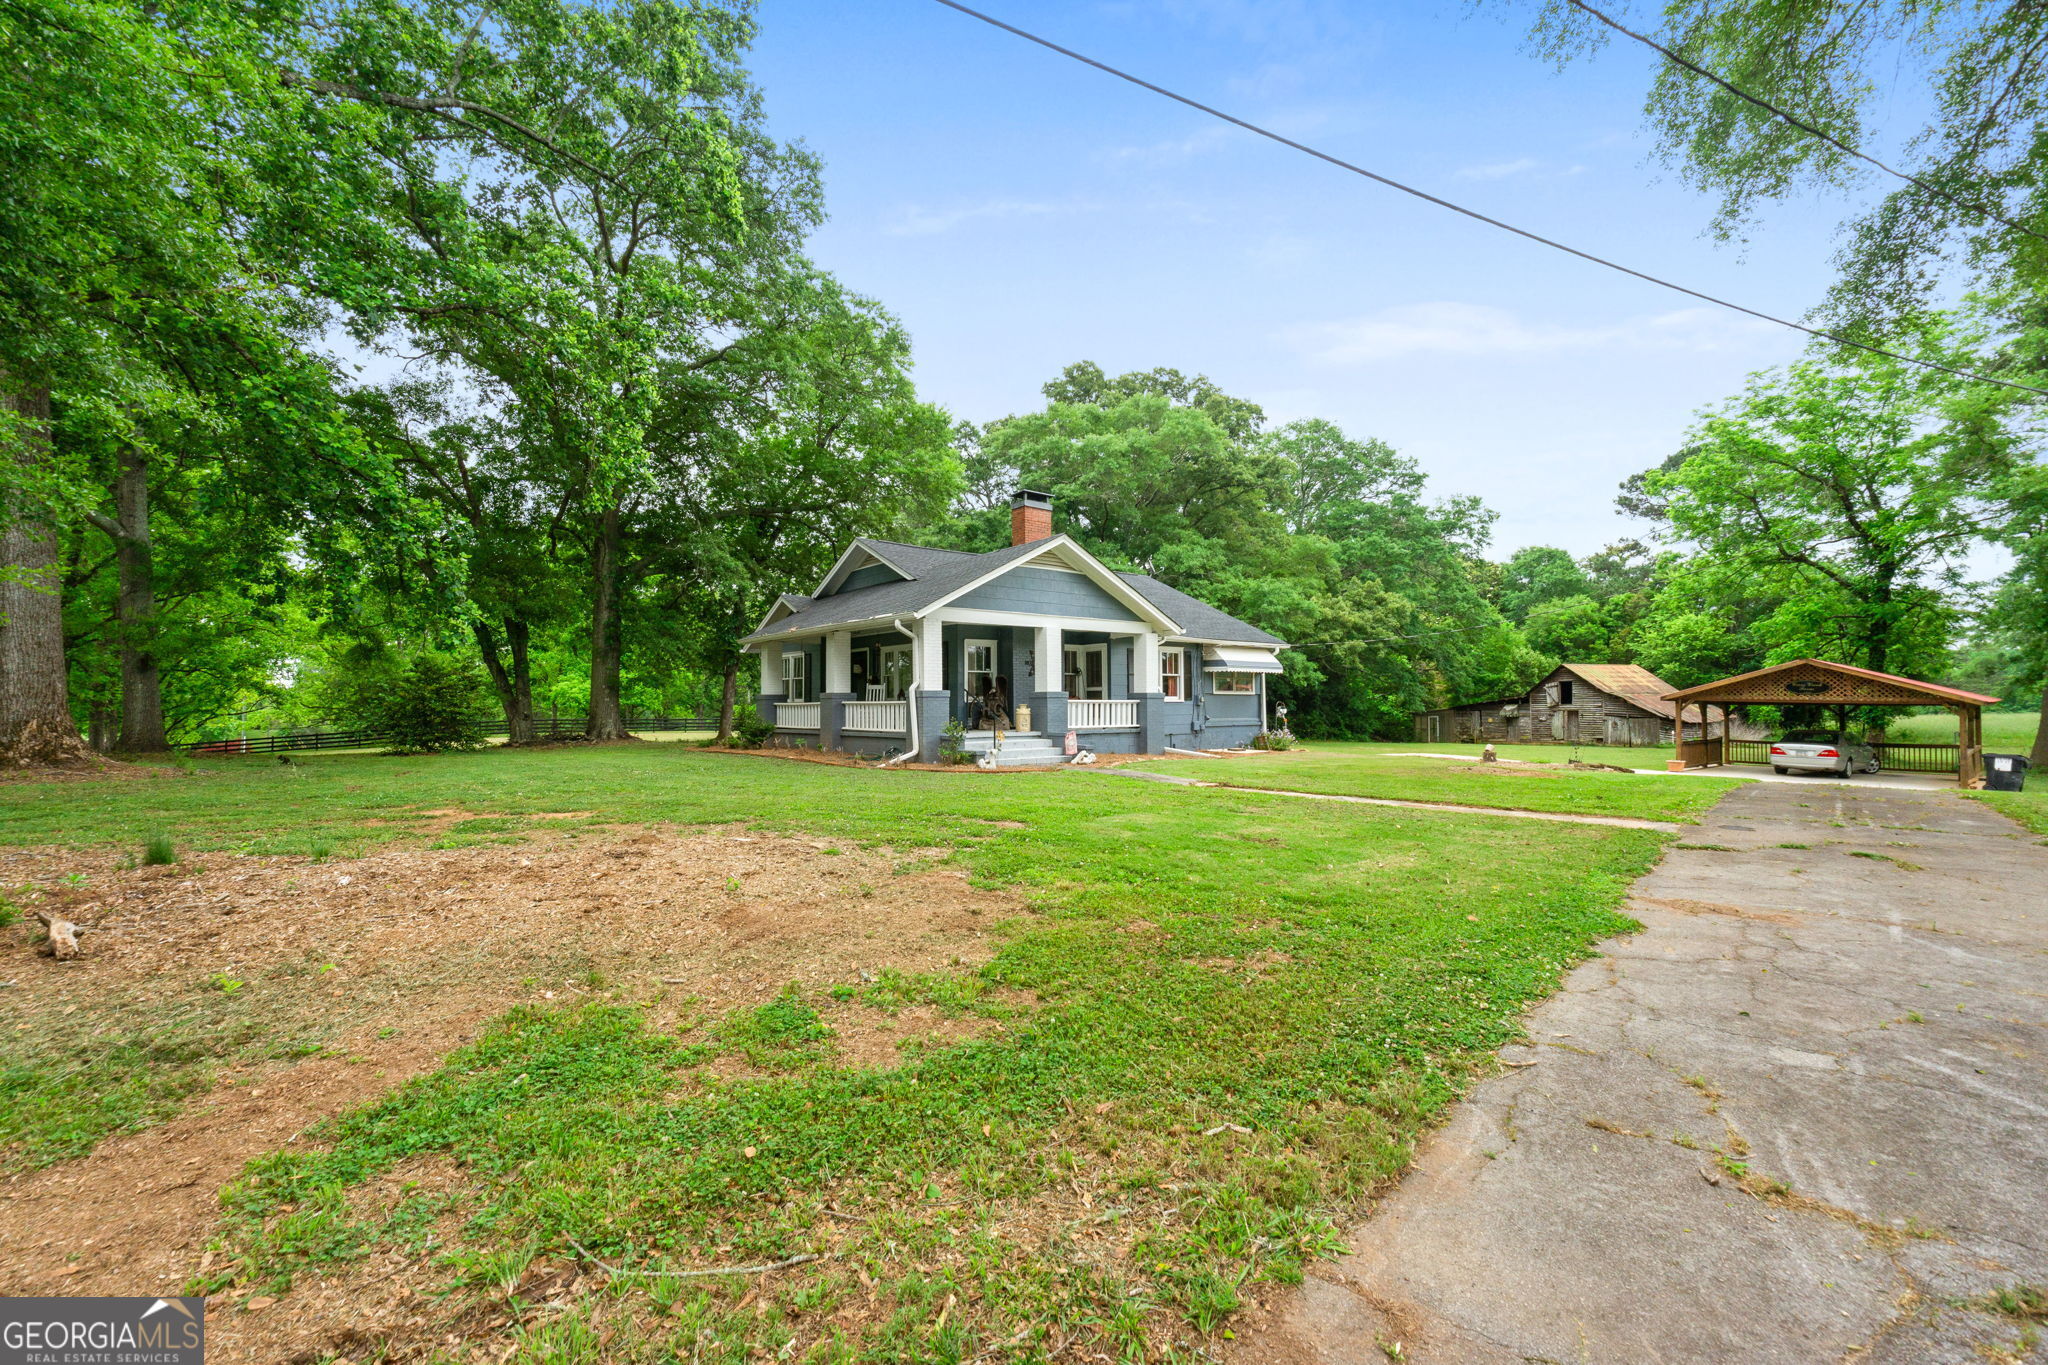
(1248,1009)
(2006,731)
(1392,771)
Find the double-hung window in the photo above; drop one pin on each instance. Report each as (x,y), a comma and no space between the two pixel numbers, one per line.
(1172,681)
(895,672)
(796,677)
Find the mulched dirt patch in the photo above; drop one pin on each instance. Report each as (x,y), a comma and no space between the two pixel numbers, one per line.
(397,958)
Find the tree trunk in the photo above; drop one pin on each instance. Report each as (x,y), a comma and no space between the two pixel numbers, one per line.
(514,686)
(35,709)
(607,717)
(2038,758)
(142,691)
(728,700)
(102,726)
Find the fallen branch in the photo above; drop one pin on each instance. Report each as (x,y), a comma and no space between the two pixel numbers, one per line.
(63,941)
(591,1257)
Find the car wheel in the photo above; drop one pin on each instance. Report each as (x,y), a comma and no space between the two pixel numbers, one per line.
(1779,771)
(1874,767)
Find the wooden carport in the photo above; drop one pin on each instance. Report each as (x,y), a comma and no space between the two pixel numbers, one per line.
(1816,682)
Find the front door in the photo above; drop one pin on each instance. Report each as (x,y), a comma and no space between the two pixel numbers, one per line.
(1087,671)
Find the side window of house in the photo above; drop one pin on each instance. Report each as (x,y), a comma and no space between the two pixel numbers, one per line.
(796,677)
(1170,674)
(1232,684)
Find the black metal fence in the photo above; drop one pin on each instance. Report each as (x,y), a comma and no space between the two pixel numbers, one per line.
(1897,758)
(544,727)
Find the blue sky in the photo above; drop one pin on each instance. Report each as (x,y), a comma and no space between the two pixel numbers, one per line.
(1019,212)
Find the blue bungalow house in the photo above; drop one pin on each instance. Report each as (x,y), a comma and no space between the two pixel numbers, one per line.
(898,640)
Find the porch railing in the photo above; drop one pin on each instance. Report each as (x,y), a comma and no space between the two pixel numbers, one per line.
(798,715)
(885,717)
(1897,758)
(1083,714)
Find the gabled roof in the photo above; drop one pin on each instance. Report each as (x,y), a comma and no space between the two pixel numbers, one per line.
(937,576)
(940,574)
(1198,620)
(1864,686)
(1635,685)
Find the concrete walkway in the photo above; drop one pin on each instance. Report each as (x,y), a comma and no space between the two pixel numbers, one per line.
(1802,1117)
(1619,821)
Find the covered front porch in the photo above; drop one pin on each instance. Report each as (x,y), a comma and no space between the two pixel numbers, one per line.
(887,691)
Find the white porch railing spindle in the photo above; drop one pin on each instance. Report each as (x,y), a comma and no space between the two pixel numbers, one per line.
(1084,714)
(885,717)
(799,715)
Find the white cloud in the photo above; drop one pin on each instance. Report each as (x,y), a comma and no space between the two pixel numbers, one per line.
(1172,150)
(1480,329)
(918,221)
(1525,165)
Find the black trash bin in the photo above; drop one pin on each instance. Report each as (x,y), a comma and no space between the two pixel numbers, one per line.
(2005,772)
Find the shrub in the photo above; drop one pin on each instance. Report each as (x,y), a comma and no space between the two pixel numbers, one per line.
(750,731)
(1283,738)
(159,851)
(953,742)
(431,705)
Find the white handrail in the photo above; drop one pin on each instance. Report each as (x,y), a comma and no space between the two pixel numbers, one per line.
(884,717)
(1085,714)
(798,715)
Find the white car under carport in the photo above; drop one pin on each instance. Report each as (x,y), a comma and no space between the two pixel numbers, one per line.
(1822,751)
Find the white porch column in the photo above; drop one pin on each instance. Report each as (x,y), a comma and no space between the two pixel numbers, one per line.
(771,669)
(931,654)
(1145,664)
(839,661)
(1047,649)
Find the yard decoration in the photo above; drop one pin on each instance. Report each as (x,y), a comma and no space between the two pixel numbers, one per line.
(63,941)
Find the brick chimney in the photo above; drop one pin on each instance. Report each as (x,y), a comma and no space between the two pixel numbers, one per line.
(1030,516)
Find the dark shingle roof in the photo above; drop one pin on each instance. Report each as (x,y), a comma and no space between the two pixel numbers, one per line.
(938,573)
(1198,620)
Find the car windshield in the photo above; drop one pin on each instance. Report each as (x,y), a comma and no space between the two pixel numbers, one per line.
(1811,737)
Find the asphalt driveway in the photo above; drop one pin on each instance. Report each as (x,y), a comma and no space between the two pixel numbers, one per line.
(1803,1116)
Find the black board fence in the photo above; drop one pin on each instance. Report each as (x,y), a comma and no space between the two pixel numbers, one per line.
(544,727)
(1897,758)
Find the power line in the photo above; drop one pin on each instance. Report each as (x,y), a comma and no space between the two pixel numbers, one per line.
(1424,195)
(1803,126)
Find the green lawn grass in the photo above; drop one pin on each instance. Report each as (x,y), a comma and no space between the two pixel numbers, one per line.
(1383,770)
(2005,731)
(2029,807)
(1322,979)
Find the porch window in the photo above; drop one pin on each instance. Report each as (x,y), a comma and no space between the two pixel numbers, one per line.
(1170,677)
(1087,671)
(796,677)
(981,668)
(1232,684)
(895,672)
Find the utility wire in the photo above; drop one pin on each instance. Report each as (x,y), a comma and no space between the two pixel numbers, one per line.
(1799,123)
(1424,195)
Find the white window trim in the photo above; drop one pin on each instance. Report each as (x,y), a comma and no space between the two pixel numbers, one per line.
(1173,674)
(906,675)
(801,672)
(1081,653)
(1217,689)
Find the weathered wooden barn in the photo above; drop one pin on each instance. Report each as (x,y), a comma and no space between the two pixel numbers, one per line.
(1576,704)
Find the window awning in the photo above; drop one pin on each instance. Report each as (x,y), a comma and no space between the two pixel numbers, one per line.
(1238,659)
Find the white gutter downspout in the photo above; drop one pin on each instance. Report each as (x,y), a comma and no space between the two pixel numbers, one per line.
(910,693)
